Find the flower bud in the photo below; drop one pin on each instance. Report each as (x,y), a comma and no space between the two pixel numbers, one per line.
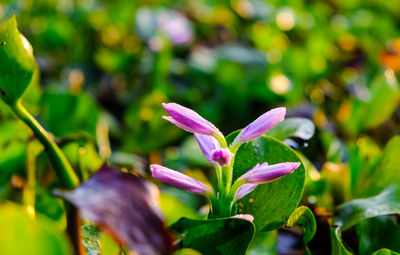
(207,145)
(189,120)
(266,173)
(244,190)
(222,156)
(248,217)
(261,125)
(178,180)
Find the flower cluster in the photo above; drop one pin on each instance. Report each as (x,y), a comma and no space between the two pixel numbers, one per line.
(215,148)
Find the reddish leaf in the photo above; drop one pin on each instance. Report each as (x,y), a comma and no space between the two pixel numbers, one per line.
(126,206)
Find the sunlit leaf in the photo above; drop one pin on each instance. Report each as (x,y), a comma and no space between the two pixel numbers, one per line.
(16,60)
(338,248)
(304,218)
(20,234)
(385,252)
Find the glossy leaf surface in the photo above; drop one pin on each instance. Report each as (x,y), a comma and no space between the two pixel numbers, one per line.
(216,236)
(272,203)
(16,60)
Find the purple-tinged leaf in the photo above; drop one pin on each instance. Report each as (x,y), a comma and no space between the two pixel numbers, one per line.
(126,206)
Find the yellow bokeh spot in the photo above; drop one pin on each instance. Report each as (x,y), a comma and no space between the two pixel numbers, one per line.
(347,42)
(317,96)
(285,19)
(146,113)
(280,84)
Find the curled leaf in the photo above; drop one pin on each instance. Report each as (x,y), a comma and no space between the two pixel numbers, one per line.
(126,206)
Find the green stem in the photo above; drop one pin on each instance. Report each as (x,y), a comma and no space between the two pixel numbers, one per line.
(65,173)
(29,191)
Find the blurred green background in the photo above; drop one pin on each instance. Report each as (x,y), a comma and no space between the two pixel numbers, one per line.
(106,67)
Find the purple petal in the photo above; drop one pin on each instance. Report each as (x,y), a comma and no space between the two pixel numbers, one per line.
(248,217)
(267,173)
(222,156)
(189,120)
(261,125)
(207,145)
(244,190)
(127,207)
(178,180)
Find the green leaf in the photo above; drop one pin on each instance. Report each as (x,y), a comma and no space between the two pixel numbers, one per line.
(13,139)
(293,127)
(357,210)
(217,236)
(378,232)
(20,234)
(186,251)
(387,171)
(385,252)
(263,243)
(173,209)
(272,203)
(338,247)
(304,218)
(385,99)
(16,61)
(97,242)
(68,114)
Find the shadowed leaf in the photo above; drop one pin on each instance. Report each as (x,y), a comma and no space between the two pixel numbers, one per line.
(217,236)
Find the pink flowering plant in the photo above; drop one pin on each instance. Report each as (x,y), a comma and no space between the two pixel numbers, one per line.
(222,155)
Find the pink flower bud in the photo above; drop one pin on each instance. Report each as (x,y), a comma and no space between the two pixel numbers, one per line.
(266,173)
(189,120)
(261,125)
(178,180)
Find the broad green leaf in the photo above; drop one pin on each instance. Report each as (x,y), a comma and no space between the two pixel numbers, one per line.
(387,171)
(13,139)
(385,99)
(293,127)
(173,209)
(16,61)
(304,218)
(21,235)
(354,211)
(68,114)
(338,247)
(385,252)
(217,236)
(272,203)
(377,233)
(263,243)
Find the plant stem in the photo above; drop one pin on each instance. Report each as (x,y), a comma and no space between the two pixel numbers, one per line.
(29,190)
(65,173)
